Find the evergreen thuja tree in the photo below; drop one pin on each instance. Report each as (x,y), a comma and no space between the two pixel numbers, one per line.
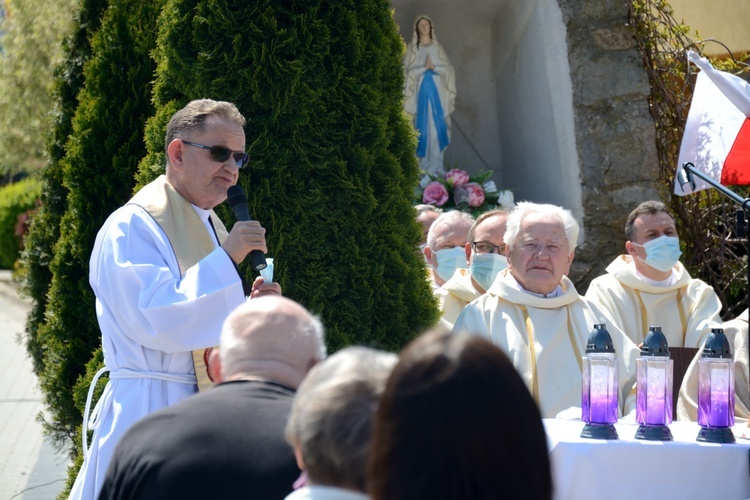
(332,155)
(102,155)
(44,230)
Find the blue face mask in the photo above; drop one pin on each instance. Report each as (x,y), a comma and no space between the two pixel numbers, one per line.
(485,267)
(662,253)
(448,260)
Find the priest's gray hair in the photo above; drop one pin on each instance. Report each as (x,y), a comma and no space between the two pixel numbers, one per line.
(332,415)
(651,207)
(525,208)
(193,116)
(484,217)
(447,219)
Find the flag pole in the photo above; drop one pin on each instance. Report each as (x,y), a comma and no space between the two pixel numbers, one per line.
(685,176)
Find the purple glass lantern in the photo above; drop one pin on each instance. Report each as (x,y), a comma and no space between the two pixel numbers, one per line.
(599,396)
(654,388)
(716,390)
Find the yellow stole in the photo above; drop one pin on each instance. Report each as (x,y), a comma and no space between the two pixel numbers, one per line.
(188,237)
(532,348)
(680,309)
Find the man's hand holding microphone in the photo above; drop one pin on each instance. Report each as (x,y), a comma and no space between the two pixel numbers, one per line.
(248,237)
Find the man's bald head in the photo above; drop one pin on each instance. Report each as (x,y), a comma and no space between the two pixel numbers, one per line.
(272,338)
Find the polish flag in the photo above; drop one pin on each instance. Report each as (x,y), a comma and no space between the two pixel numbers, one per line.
(717,131)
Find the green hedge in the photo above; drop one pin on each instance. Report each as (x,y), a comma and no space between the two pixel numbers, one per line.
(15,200)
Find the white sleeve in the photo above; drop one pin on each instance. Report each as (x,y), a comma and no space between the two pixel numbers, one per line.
(136,278)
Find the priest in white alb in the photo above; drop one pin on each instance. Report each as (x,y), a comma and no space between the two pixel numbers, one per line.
(534,313)
(164,273)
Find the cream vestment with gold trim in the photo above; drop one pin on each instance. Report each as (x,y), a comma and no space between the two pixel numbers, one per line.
(545,339)
(686,310)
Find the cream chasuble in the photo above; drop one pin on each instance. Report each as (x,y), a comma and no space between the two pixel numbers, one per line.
(685,310)
(545,339)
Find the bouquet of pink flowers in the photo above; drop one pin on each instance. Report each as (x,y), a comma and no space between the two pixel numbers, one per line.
(458,190)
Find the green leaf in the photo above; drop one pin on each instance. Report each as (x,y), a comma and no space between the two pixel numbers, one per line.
(481,177)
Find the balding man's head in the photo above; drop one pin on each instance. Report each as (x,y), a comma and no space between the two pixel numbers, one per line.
(272,338)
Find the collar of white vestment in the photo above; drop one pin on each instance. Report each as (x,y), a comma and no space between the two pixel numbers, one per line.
(557,292)
(671,280)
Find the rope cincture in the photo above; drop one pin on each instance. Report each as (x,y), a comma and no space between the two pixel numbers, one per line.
(91,422)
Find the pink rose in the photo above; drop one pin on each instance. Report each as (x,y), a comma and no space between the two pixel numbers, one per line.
(456,177)
(476,194)
(435,194)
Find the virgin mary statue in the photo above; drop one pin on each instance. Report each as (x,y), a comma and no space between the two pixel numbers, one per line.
(429,94)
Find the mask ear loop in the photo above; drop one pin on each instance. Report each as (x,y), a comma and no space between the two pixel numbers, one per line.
(636,256)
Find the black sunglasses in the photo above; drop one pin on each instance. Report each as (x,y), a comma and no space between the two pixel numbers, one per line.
(221,154)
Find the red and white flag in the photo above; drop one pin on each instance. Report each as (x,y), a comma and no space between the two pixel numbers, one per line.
(717,131)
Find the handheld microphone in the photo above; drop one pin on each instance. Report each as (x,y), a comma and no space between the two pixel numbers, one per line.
(238,202)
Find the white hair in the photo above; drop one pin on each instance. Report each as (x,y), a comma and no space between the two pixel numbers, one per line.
(332,414)
(525,208)
(446,219)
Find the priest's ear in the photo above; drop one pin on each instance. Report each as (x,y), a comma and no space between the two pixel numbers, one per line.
(431,257)
(175,152)
(631,249)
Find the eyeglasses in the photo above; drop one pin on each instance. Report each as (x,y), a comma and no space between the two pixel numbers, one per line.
(221,154)
(484,247)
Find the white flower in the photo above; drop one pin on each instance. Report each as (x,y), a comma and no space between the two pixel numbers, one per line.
(490,187)
(505,200)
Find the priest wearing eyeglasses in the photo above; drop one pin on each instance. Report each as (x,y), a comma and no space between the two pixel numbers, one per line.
(164,272)
(485,255)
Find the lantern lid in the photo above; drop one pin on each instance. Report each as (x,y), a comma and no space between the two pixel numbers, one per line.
(655,343)
(717,345)
(599,340)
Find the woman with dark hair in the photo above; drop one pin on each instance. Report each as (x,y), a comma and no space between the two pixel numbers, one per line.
(456,421)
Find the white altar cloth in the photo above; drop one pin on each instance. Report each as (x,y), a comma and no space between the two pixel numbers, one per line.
(632,468)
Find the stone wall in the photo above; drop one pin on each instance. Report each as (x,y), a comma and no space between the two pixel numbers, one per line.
(615,133)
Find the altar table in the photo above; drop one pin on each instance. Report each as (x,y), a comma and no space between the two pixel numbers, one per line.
(631,468)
